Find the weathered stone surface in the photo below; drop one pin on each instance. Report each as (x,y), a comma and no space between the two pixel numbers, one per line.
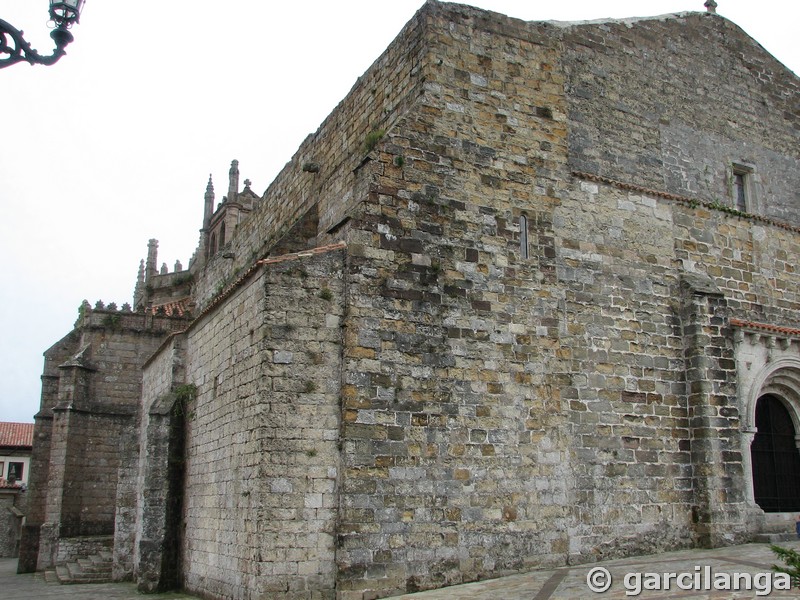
(511,318)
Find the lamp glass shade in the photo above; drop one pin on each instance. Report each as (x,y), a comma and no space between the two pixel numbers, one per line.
(66,12)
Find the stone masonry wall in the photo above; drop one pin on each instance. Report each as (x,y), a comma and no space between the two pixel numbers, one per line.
(454,439)
(90,393)
(40,454)
(682,126)
(149,539)
(503,412)
(262,454)
(10,522)
(376,101)
(119,343)
(449,397)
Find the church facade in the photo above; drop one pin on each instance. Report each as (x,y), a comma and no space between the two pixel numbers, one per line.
(528,297)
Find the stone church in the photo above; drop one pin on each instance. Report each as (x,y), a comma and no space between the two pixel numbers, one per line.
(529,296)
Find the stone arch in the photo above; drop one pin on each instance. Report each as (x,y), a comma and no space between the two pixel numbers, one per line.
(778,380)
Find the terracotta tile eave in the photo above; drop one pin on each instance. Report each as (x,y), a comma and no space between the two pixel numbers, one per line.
(230,288)
(225,293)
(766,327)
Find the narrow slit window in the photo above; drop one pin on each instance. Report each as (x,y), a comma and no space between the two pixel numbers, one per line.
(523,236)
(740,191)
(742,188)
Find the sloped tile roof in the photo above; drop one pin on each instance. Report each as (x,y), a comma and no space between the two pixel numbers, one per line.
(16,434)
(176,308)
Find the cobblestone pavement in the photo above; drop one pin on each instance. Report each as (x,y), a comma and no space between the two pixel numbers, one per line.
(568,583)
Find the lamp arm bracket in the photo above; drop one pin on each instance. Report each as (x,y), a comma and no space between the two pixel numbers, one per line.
(14,48)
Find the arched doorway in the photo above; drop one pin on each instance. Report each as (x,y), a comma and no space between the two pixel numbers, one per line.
(775,457)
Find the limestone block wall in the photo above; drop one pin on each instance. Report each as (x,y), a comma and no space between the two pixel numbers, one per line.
(57,354)
(655,409)
(90,460)
(455,444)
(503,411)
(262,454)
(625,373)
(149,521)
(94,443)
(682,127)
(321,171)
(82,442)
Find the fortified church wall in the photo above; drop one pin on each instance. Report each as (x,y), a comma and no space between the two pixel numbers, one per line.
(526,322)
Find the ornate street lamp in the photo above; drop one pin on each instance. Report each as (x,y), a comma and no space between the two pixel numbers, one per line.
(14,48)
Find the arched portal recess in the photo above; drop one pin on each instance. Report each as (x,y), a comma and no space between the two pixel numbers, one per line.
(775,457)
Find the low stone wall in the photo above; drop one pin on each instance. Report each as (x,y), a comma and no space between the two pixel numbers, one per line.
(75,547)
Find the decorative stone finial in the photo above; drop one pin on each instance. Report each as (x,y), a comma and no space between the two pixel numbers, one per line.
(711,6)
(210,188)
(247,183)
(233,176)
(152,258)
(208,206)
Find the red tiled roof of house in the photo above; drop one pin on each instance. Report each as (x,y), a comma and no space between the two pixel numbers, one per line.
(16,434)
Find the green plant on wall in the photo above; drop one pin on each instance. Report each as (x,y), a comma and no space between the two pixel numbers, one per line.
(184,395)
(372,139)
(112,322)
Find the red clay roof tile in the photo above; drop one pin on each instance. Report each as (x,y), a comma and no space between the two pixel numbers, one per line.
(765,327)
(16,434)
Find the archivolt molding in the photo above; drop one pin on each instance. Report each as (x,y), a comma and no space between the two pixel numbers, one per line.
(768,362)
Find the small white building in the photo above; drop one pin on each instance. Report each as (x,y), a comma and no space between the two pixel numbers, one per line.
(16,441)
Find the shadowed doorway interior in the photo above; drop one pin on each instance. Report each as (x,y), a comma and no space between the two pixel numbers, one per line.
(776,459)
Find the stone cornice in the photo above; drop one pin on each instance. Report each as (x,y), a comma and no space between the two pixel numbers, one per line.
(684,199)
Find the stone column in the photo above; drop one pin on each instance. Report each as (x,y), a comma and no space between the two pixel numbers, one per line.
(61,510)
(157,552)
(718,476)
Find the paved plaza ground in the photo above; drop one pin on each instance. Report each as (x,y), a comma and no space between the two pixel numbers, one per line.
(708,568)
(570,583)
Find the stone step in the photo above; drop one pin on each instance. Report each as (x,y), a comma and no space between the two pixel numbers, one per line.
(94,565)
(774,538)
(91,569)
(105,555)
(51,578)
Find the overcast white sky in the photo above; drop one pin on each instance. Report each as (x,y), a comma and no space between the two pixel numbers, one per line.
(113,145)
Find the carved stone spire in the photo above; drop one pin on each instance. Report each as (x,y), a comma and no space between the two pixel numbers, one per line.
(209,203)
(152,260)
(711,6)
(138,291)
(233,186)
